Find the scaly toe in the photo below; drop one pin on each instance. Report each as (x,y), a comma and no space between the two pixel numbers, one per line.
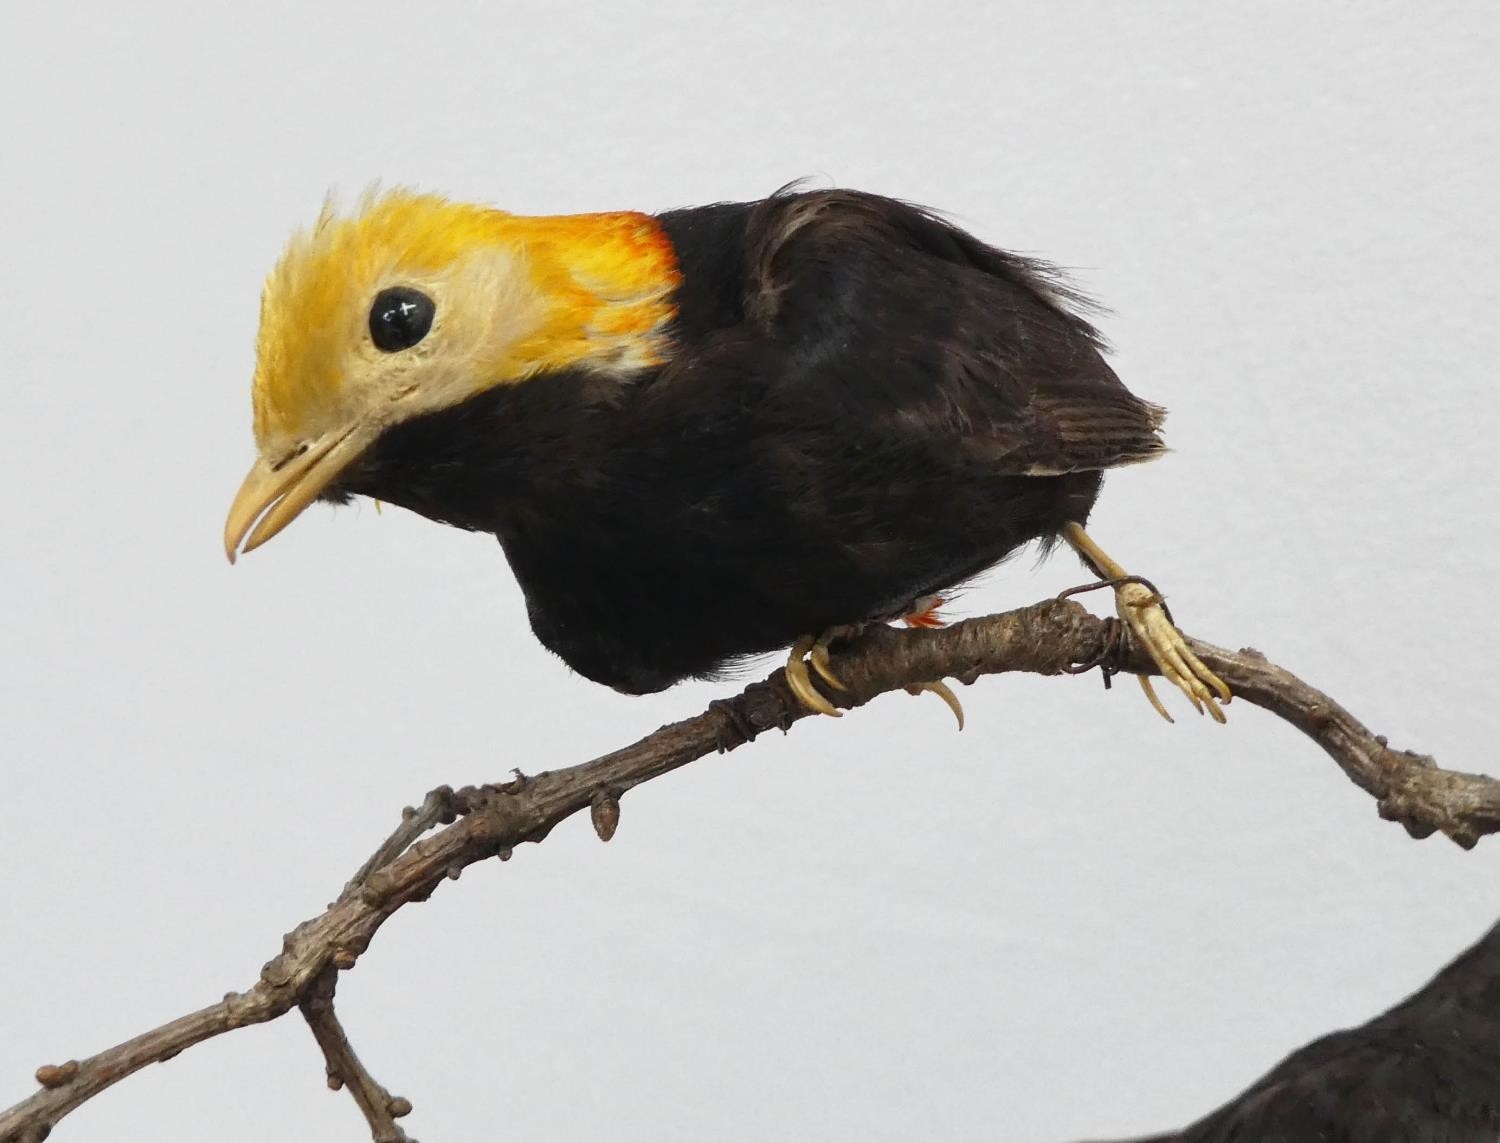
(1142,611)
(1204,675)
(1195,678)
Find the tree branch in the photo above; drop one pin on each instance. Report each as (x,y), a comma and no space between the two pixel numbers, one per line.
(381,1109)
(1048,638)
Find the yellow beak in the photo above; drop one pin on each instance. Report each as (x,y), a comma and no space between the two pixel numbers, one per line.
(276,494)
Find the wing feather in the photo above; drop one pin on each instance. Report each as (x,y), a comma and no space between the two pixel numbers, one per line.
(957,337)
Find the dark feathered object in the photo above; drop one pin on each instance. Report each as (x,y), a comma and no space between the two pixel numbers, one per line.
(1427,1071)
(702,435)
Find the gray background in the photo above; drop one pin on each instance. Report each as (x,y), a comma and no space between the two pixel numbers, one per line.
(1072,919)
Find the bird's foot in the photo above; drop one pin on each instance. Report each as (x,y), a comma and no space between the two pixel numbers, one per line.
(1141,608)
(812,651)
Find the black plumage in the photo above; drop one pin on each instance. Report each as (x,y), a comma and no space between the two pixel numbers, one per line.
(1427,1071)
(864,405)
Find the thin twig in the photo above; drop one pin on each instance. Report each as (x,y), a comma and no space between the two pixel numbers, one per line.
(1046,639)
(436,809)
(381,1109)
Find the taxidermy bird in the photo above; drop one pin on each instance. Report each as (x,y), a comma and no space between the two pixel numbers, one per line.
(1427,1071)
(705,434)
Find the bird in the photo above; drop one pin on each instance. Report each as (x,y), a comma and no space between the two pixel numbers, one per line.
(1426,1071)
(705,434)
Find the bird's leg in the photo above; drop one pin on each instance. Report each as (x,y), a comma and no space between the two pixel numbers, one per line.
(1142,610)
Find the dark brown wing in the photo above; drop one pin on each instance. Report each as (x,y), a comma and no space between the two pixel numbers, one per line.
(954,336)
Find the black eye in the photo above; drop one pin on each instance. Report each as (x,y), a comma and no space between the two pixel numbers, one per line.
(400,317)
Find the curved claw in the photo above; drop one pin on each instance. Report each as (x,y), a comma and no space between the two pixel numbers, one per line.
(1152,698)
(800,683)
(944,692)
(812,651)
(818,657)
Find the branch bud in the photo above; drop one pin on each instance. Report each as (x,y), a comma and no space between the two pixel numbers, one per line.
(605,812)
(55,1075)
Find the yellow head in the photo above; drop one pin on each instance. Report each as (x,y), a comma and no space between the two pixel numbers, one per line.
(414,304)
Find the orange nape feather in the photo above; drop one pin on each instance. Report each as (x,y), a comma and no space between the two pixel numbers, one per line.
(515,295)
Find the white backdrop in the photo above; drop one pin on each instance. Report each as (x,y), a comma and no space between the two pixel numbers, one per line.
(1070,920)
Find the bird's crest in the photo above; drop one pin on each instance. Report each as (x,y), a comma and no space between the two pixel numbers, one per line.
(514,295)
